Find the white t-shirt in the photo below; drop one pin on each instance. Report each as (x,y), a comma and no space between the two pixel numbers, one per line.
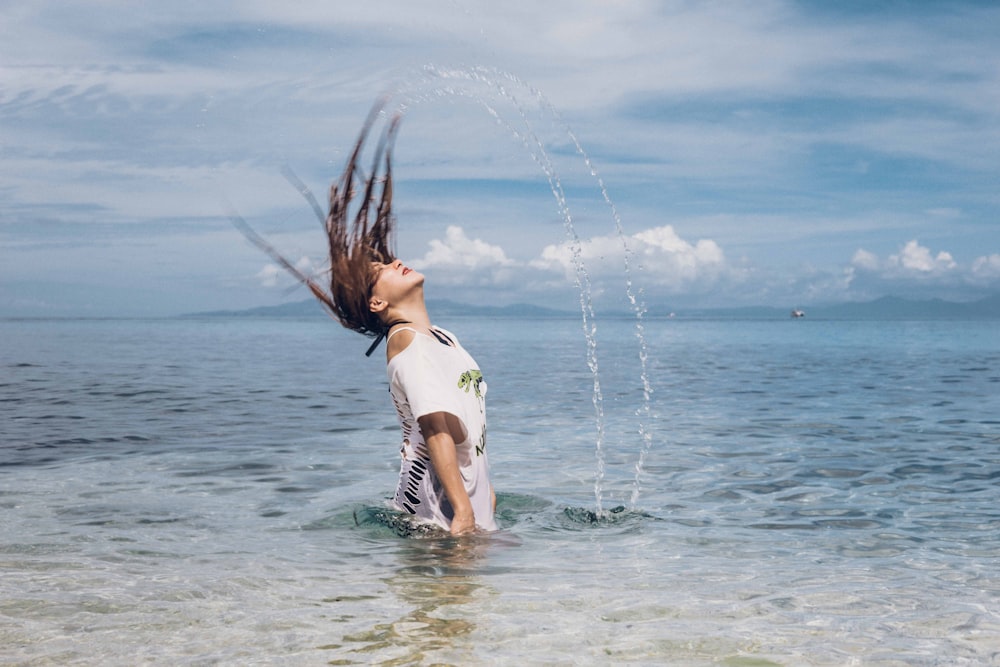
(426,377)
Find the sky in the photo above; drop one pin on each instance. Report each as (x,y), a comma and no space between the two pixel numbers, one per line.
(709,154)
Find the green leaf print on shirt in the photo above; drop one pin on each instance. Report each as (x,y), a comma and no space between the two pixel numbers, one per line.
(471,378)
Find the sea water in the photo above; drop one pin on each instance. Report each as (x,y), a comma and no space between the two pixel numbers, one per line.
(202,491)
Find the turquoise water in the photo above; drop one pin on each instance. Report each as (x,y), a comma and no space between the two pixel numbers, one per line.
(201,492)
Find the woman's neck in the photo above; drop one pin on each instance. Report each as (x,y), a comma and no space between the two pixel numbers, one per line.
(412,311)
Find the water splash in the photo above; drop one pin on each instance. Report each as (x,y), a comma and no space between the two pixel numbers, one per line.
(638,308)
(576,518)
(500,82)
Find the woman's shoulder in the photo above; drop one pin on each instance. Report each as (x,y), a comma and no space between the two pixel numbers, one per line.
(425,346)
(399,341)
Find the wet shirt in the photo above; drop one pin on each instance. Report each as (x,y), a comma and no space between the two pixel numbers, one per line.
(431,376)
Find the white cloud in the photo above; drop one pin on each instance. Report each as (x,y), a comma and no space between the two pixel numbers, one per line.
(865,260)
(268,276)
(273,275)
(687,262)
(457,259)
(915,258)
(987,269)
(917,271)
(665,259)
(306,266)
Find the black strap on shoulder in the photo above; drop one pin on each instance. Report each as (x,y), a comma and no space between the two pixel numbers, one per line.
(383,334)
(442,337)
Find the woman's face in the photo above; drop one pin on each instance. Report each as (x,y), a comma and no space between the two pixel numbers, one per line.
(393,280)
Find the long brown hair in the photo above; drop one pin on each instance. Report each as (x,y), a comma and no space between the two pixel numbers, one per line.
(354,242)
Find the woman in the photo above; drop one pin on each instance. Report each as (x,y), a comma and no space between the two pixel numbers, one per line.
(440,398)
(436,386)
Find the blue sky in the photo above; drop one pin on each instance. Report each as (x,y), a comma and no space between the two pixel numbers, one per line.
(767,153)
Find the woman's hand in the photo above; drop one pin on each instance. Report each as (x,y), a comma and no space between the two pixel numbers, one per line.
(444,458)
(463,525)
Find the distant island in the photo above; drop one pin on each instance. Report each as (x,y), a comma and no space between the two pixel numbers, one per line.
(885,308)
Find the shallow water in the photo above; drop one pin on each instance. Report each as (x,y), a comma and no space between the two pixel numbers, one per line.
(203,492)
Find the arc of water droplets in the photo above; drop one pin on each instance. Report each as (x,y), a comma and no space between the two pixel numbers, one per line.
(536,149)
(494,78)
(638,308)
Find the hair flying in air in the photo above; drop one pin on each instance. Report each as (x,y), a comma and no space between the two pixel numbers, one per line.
(355,240)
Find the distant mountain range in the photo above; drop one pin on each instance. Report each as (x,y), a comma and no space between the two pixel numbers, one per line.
(886,308)
(890,307)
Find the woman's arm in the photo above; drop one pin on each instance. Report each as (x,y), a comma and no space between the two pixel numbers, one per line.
(439,434)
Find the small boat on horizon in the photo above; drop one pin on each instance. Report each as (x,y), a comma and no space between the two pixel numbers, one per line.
(796,313)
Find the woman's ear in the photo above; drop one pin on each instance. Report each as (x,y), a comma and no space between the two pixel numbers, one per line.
(377,305)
